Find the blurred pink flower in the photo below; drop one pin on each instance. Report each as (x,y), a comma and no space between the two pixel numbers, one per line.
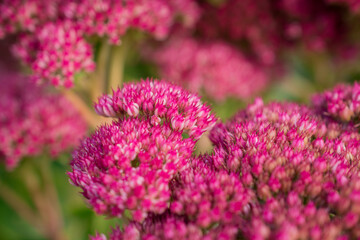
(56,53)
(267,29)
(52,34)
(33,122)
(216,68)
(342,102)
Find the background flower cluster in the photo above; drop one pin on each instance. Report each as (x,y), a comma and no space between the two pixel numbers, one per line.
(179,119)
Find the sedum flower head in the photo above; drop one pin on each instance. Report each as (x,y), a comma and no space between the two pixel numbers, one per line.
(296,163)
(206,205)
(34,122)
(56,54)
(217,68)
(278,171)
(51,36)
(160,102)
(128,166)
(341,103)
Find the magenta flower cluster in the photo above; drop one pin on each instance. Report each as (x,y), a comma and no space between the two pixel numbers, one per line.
(161,102)
(216,68)
(51,35)
(342,102)
(128,165)
(297,163)
(33,121)
(278,171)
(120,168)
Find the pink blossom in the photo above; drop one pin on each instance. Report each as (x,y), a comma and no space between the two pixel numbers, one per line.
(56,53)
(342,102)
(162,102)
(217,68)
(51,35)
(158,227)
(299,165)
(34,121)
(278,171)
(128,165)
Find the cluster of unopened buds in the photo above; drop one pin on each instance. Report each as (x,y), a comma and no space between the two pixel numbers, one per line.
(129,164)
(342,103)
(277,171)
(52,36)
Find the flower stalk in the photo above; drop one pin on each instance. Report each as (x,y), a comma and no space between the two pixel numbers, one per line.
(117,65)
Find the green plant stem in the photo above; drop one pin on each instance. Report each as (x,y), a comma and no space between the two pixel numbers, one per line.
(20,207)
(52,200)
(117,64)
(90,117)
(44,198)
(100,75)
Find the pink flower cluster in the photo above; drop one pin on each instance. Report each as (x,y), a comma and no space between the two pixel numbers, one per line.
(58,53)
(52,34)
(244,19)
(278,171)
(207,205)
(217,68)
(342,102)
(33,121)
(269,27)
(119,168)
(161,102)
(295,162)
(129,164)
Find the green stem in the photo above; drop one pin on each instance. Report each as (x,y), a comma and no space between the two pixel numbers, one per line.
(88,114)
(51,197)
(99,77)
(43,193)
(20,207)
(117,64)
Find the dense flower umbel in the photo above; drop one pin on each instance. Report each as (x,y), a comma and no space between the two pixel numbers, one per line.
(56,53)
(156,227)
(215,67)
(169,227)
(206,204)
(52,34)
(159,101)
(211,200)
(278,171)
(342,102)
(128,165)
(33,121)
(297,164)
